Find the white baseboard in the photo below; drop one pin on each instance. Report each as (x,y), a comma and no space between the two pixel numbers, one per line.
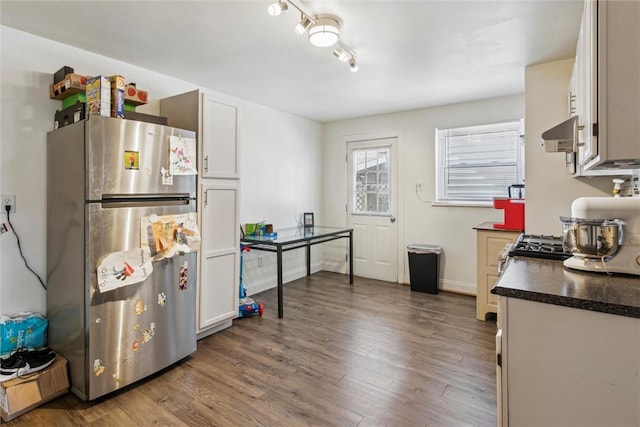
(455,286)
(205,333)
(270,281)
(458,287)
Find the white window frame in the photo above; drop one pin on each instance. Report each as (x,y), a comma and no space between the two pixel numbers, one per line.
(513,129)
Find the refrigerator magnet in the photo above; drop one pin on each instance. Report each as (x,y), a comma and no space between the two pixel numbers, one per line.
(184,272)
(148,334)
(139,307)
(98,367)
(131,160)
(162,299)
(167,178)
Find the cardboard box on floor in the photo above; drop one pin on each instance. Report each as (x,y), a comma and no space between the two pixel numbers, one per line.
(20,395)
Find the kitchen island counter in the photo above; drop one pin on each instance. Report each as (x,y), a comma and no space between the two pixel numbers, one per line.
(548,281)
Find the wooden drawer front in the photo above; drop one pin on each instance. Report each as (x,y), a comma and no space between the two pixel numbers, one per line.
(494,246)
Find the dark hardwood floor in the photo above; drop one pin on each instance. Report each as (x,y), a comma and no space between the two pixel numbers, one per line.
(371,354)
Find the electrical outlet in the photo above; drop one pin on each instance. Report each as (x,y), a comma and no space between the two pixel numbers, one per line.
(418,186)
(8,199)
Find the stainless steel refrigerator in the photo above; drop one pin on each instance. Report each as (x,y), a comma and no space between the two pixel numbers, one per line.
(105,178)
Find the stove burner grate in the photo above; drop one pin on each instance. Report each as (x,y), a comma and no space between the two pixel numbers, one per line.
(539,246)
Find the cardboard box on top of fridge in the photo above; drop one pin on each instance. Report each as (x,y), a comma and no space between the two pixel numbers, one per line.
(148,118)
(20,395)
(70,115)
(99,96)
(71,84)
(134,96)
(59,75)
(117,96)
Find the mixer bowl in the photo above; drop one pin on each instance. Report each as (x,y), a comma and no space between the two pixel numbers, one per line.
(592,238)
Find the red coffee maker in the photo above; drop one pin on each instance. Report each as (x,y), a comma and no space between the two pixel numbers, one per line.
(513,208)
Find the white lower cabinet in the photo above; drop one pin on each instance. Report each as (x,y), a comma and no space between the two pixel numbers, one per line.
(218,289)
(562,366)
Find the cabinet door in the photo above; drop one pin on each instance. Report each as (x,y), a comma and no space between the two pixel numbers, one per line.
(586,59)
(489,245)
(570,367)
(219,139)
(220,254)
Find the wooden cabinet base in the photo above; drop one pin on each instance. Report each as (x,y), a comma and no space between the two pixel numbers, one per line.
(490,243)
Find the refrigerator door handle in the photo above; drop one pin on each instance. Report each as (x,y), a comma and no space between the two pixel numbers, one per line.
(148,196)
(132,203)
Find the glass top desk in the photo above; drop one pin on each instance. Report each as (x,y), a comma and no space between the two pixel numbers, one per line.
(298,237)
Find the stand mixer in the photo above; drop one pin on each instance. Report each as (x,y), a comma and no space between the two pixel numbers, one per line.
(603,235)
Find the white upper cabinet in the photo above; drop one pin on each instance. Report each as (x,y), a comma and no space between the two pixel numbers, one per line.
(219,139)
(215,120)
(606,85)
(584,74)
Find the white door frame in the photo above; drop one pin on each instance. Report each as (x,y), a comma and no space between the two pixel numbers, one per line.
(400,256)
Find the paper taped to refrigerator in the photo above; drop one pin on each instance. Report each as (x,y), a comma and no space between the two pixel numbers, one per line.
(123,268)
(182,156)
(168,235)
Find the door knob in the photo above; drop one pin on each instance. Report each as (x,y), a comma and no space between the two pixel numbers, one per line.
(393,219)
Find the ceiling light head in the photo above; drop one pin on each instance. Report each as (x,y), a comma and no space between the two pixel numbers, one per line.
(353,65)
(276,9)
(325,31)
(341,54)
(303,24)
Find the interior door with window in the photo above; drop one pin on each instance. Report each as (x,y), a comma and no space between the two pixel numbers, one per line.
(372,206)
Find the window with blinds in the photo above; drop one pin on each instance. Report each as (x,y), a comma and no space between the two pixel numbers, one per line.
(478,163)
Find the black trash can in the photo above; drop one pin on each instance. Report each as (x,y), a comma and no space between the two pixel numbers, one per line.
(423,267)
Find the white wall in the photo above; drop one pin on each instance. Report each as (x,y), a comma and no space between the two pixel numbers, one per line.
(550,189)
(281,159)
(27,113)
(418,222)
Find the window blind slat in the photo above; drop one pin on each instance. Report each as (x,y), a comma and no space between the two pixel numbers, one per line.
(479,163)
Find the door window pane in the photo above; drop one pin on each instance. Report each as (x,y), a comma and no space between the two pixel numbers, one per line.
(371,175)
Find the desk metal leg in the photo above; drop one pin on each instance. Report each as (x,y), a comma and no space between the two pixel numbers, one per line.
(280,304)
(351,257)
(308,260)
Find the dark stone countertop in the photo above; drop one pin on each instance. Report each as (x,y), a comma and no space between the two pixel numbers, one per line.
(550,282)
(489,226)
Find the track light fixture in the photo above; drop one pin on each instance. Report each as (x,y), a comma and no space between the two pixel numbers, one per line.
(353,65)
(341,54)
(303,24)
(324,30)
(276,9)
(344,54)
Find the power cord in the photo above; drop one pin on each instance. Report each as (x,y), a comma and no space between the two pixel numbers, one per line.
(8,209)
(418,190)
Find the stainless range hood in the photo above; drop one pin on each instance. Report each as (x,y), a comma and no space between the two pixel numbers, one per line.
(562,138)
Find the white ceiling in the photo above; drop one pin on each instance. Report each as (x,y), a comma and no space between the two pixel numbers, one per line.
(411,54)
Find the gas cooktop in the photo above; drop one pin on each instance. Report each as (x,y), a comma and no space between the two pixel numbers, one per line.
(539,246)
